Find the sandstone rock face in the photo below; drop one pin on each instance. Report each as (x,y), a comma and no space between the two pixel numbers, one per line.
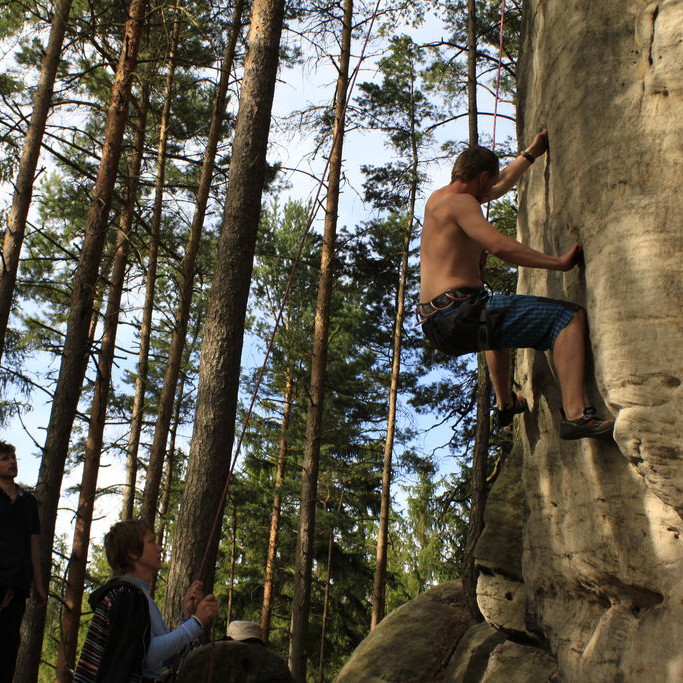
(414,643)
(231,661)
(602,560)
(514,663)
(471,658)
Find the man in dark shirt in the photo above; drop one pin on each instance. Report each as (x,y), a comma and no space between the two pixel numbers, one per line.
(19,559)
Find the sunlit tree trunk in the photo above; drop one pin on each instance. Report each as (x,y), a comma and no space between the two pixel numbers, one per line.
(269,580)
(195,548)
(311,460)
(187,269)
(76,568)
(23,188)
(75,352)
(138,411)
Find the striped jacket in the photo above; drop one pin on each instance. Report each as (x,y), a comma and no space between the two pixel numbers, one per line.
(118,637)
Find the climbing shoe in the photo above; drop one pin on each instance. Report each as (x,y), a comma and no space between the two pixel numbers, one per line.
(590,425)
(518,405)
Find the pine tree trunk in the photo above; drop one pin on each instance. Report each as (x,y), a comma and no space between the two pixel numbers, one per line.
(326,608)
(269,580)
(173,432)
(75,352)
(187,268)
(76,568)
(478,487)
(311,460)
(23,189)
(148,507)
(170,466)
(472,108)
(379,587)
(483,400)
(195,547)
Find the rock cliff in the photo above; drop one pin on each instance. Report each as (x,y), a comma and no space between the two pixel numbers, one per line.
(581,560)
(599,582)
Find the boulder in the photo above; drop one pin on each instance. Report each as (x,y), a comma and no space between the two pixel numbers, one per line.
(232,661)
(414,643)
(471,657)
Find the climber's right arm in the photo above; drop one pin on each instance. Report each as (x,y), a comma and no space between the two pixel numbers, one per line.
(471,220)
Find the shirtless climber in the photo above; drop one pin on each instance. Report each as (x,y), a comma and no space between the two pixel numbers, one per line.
(460,316)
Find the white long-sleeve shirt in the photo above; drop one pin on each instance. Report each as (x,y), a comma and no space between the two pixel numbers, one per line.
(164,643)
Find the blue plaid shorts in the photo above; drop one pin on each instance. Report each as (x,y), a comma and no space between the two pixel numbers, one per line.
(530,322)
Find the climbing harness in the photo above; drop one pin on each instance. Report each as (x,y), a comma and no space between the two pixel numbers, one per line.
(469,328)
(442,302)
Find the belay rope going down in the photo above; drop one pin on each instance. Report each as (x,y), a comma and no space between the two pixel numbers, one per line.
(311,217)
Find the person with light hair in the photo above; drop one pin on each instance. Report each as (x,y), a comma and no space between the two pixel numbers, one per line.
(128,639)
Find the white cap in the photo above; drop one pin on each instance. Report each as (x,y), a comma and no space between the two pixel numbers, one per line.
(244,630)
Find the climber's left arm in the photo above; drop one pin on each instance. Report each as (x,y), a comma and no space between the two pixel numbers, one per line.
(513,172)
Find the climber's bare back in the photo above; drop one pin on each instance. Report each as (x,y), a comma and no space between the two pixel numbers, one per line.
(449,258)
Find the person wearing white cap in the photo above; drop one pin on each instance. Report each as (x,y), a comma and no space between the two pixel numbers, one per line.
(245,631)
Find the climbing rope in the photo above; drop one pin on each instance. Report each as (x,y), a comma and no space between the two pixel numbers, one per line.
(500,68)
(297,259)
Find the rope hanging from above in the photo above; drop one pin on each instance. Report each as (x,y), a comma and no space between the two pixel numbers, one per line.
(501,33)
(315,205)
(500,67)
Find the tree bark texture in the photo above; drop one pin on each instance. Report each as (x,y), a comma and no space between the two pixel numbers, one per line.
(209,462)
(75,352)
(187,270)
(273,538)
(23,188)
(311,460)
(478,487)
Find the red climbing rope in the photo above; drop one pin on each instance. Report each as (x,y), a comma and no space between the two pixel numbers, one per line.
(484,254)
(500,68)
(311,217)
